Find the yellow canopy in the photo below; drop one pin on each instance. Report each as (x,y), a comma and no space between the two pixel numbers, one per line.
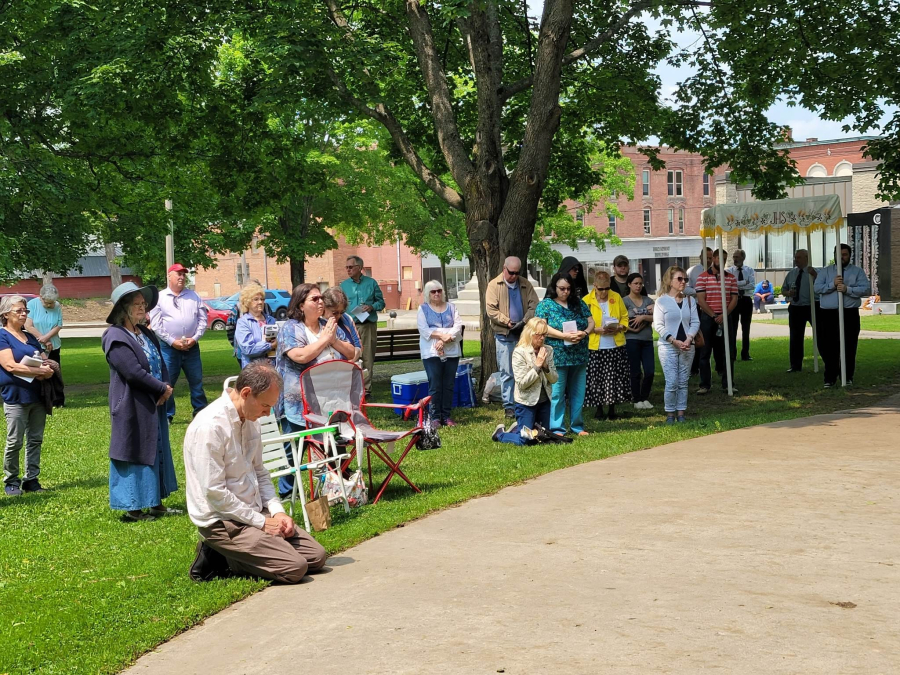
(801,214)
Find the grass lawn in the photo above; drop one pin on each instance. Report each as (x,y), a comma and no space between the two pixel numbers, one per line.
(884,323)
(83,592)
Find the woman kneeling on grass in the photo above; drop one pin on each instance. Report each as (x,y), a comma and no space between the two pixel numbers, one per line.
(141,471)
(675,319)
(535,374)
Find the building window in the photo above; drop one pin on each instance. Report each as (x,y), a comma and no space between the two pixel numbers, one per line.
(671,221)
(645,177)
(680,221)
(674,180)
(646,221)
(706,185)
(612,224)
(407,273)
(579,217)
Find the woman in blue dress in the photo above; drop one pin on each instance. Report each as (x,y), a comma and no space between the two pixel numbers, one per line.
(250,341)
(141,471)
(563,311)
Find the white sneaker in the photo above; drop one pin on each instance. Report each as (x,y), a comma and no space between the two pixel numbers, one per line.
(639,406)
(648,405)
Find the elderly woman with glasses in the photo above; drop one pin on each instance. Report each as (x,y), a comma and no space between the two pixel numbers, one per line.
(439,334)
(251,339)
(608,374)
(45,320)
(141,470)
(336,308)
(304,341)
(676,321)
(23,406)
(569,323)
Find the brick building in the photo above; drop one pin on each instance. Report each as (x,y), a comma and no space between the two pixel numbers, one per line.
(386,264)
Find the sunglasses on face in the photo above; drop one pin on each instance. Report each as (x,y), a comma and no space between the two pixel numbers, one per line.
(679,278)
(563,289)
(19,311)
(318,298)
(602,288)
(511,272)
(437,290)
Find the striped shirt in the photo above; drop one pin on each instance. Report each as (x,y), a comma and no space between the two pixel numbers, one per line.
(710,286)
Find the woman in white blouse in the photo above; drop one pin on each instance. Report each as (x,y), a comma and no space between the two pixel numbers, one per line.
(675,320)
(440,332)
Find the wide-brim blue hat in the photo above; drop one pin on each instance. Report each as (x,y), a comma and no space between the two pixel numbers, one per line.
(150,293)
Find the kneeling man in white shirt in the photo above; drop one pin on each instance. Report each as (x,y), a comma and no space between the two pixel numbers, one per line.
(230,497)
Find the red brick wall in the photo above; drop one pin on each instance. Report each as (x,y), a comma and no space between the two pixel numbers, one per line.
(806,156)
(72,287)
(658,201)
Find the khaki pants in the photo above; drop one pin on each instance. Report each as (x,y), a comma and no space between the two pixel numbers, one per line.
(251,551)
(368,335)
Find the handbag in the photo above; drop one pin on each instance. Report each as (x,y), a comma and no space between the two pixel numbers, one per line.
(429,439)
(698,338)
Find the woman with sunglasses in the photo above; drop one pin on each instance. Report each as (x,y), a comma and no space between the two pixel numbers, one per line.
(303,342)
(561,310)
(22,405)
(439,332)
(608,374)
(676,321)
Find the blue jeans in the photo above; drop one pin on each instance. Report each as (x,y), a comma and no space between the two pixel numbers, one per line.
(568,389)
(526,416)
(640,357)
(189,361)
(504,362)
(441,378)
(676,366)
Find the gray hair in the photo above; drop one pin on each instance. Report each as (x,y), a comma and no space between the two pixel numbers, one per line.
(739,251)
(334,297)
(356,260)
(120,311)
(49,292)
(259,375)
(432,285)
(7,304)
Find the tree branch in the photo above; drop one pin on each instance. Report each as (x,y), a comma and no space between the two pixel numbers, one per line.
(507,92)
(439,94)
(380,113)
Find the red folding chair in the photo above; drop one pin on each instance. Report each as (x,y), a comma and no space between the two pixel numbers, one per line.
(334,391)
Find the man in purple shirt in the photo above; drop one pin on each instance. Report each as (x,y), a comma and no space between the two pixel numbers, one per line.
(179,321)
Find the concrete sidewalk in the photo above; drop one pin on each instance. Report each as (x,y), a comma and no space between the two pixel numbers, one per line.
(765,329)
(766,550)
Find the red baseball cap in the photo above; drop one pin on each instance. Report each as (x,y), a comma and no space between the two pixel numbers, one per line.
(177,267)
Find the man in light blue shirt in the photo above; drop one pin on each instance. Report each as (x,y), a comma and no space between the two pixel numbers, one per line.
(746,280)
(854,285)
(364,293)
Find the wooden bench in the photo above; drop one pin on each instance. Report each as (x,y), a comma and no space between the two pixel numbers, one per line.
(401,344)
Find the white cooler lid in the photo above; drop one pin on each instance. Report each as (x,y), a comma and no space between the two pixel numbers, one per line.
(417,377)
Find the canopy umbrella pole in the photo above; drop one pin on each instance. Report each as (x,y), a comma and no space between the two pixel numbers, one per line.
(840,272)
(812,304)
(725,332)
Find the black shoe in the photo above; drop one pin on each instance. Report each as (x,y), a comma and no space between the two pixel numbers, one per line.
(793,370)
(497,432)
(32,486)
(13,491)
(510,413)
(829,385)
(209,564)
(746,358)
(599,414)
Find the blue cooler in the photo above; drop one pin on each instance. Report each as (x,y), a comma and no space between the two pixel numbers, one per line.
(464,386)
(409,388)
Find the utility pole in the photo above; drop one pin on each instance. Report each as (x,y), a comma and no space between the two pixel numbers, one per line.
(170,238)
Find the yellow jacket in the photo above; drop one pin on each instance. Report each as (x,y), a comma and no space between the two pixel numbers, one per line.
(617,310)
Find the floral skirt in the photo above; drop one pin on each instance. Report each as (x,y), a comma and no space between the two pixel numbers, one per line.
(608,377)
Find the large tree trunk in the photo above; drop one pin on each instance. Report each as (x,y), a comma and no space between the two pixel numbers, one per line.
(298,271)
(115,272)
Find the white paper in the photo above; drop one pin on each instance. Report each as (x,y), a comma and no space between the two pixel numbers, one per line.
(29,361)
(360,314)
(569,327)
(608,321)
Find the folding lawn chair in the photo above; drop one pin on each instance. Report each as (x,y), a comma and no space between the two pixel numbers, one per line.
(333,394)
(275,459)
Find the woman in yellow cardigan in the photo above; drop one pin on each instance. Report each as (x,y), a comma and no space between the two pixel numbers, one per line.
(608,372)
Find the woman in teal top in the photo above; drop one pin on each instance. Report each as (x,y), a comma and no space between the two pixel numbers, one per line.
(570,352)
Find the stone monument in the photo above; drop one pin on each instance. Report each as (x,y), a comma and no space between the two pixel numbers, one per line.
(468,303)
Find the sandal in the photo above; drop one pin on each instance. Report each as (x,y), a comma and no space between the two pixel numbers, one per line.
(136,516)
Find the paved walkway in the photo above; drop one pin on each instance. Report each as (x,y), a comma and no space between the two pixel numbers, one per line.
(766,550)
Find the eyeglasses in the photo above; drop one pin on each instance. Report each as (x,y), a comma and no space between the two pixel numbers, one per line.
(437,290)
(19,311)
(140,305)
(602,288)
(563,289)
(318,298)
(679,278)
(512,273)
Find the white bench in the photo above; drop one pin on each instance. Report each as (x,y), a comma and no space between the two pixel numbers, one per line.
(779,311)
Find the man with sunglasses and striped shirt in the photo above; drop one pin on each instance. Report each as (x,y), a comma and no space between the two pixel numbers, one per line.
(510,302)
